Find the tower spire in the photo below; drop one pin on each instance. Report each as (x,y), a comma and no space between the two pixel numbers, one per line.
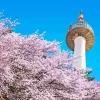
(81,19)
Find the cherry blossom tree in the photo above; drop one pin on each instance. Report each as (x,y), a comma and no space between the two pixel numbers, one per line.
(32,68)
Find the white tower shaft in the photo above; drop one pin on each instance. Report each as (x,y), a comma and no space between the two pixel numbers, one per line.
(79,51)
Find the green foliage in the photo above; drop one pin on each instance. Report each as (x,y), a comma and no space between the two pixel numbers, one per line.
(10,31)
(87,76)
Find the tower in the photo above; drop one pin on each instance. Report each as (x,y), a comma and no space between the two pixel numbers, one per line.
(80,38)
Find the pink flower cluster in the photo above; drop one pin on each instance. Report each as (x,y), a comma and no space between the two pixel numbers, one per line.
(32,69)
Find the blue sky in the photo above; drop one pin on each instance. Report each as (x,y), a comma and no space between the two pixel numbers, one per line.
(54,17)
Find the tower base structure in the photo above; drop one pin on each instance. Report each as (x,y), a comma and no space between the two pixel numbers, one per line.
(79,51)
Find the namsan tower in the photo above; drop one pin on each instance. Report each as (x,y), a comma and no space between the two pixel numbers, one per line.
(80,38)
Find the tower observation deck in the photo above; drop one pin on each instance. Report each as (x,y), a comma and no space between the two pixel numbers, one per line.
(80,38)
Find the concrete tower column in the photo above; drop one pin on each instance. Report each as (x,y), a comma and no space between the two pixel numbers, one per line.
(79,50)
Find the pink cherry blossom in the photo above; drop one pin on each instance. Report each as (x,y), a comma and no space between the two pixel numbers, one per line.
(31,68)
